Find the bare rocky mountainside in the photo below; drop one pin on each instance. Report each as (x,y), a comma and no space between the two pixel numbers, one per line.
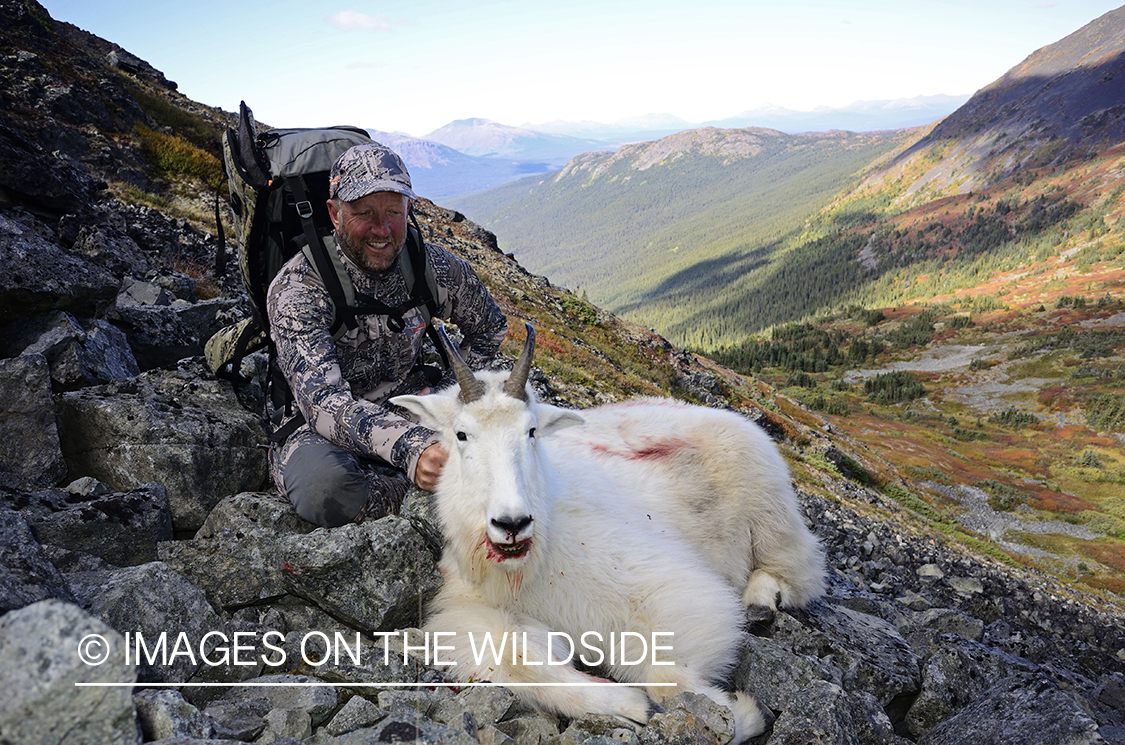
(1065,101)
(134,499)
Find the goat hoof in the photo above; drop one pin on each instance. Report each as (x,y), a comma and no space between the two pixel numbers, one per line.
(759,614)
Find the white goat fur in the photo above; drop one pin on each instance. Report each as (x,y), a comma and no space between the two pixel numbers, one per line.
(649,516)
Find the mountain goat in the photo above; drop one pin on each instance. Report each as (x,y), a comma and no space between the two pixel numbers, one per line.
(621,537)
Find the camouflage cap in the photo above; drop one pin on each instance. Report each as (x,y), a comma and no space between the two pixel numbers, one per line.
(366,169)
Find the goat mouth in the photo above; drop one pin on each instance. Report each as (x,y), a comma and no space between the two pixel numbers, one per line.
(505,551)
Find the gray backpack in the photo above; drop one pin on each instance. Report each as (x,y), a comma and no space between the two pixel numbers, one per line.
(278,183)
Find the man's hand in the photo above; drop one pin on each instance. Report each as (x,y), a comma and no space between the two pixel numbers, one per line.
(429,466)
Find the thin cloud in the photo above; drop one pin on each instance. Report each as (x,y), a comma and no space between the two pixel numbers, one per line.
(353,20)
(364,65)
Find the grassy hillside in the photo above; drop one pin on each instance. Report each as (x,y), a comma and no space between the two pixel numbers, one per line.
(655,230)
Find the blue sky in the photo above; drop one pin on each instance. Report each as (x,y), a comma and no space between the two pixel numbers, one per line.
(413,66)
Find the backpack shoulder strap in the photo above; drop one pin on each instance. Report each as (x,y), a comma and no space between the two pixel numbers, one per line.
(418,273)
(325,261)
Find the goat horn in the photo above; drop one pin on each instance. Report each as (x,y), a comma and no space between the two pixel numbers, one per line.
(516,387)
(471,388)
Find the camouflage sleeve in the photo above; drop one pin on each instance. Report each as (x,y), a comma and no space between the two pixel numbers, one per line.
(465,301)
(300,314)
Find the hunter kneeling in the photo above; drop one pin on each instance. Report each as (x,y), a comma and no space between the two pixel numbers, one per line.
(351,456)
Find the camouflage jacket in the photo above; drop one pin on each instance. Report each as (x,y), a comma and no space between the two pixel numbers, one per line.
(341,386)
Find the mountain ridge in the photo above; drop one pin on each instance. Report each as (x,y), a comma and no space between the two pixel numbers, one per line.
(512,152)
(684,203)
(862,115)
(438,171)
(1061,102)
(484,137)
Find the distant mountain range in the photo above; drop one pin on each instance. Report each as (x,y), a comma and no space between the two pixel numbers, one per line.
(471,155)
(861,116)
(438,171)
(632,129)
(713,234)
(483,137)
(709,202)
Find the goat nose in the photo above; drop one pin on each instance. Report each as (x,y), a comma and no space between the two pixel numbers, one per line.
(512,525)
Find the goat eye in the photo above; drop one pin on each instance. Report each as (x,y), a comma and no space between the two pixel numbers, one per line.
(531,432)
(462,436)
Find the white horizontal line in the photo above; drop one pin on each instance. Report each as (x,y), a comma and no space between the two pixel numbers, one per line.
(372,685)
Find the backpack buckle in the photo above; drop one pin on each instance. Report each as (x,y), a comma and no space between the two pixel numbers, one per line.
(304,209)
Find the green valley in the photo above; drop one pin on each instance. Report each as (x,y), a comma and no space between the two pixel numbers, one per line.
(661,231)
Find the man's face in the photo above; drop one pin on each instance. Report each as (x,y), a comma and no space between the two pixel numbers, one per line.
(371,230)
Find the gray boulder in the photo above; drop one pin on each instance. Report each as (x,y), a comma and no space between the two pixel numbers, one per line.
(36,275)
(299,693)
(604,729)
(121,528)
(174,427)
(26,573)
(820,713)
(110,248)
(869,651)
(1024,709)
(773,674)
(79,353)
(136,293)
(42,178)
(164,713)
(420,509)
(46,698)
(254,511)
(375,576)
(402,727)
(285,725)
(492,735)
(925,631)
(872,725)
(530,728)
(30,454)
(958,674)
(153,602)
(422,700)
(485,704)
(161,334)
(242,720)
(689,718)
(268,713)
(233,557)
(357,713)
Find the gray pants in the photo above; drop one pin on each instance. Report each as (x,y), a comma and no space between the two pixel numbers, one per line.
(330,486)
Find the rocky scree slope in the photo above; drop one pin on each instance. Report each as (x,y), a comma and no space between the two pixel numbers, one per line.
(134,500)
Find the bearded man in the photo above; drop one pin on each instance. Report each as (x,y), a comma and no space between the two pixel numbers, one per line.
(353,456)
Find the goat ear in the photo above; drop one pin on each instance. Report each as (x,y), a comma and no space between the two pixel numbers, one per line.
(434,412)
(551,418)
